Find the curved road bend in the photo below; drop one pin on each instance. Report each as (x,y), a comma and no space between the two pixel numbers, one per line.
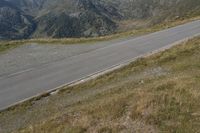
(33,81)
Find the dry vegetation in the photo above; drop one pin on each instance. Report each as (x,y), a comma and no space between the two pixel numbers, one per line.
(160,93)
(5,45)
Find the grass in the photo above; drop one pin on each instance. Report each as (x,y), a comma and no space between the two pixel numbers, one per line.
(6,45)
(159,93)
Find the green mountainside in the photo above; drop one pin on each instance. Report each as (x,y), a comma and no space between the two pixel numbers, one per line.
(14,23)
(21,19)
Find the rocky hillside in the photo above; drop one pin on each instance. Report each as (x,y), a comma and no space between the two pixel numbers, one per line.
(14,23)
(77,18)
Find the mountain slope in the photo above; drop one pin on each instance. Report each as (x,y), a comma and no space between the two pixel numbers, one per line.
(75,19)
(31,7)
(14,24)
(142,9)
(83,18)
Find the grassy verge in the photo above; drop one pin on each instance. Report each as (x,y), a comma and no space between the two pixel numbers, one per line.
(5,45)
(159,93)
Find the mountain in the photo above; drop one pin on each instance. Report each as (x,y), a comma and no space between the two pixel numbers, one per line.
(73,18)
(67,18)
(14,23)
(84,18)
(154,9)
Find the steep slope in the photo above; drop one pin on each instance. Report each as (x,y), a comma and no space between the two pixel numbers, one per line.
(73,19)
(68,18)
(83,18)
(13,22)
(143,9)
(31,7)
(76,18)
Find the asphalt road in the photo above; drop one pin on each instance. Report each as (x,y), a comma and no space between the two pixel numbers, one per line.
(30,82)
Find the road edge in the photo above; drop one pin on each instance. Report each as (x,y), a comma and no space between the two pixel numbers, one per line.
(97,74)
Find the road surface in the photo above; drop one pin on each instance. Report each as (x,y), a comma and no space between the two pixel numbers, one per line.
(33,81)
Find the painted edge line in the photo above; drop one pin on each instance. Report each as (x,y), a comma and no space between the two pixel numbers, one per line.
(97,74)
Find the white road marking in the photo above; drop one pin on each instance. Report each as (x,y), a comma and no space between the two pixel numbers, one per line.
(20,72)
